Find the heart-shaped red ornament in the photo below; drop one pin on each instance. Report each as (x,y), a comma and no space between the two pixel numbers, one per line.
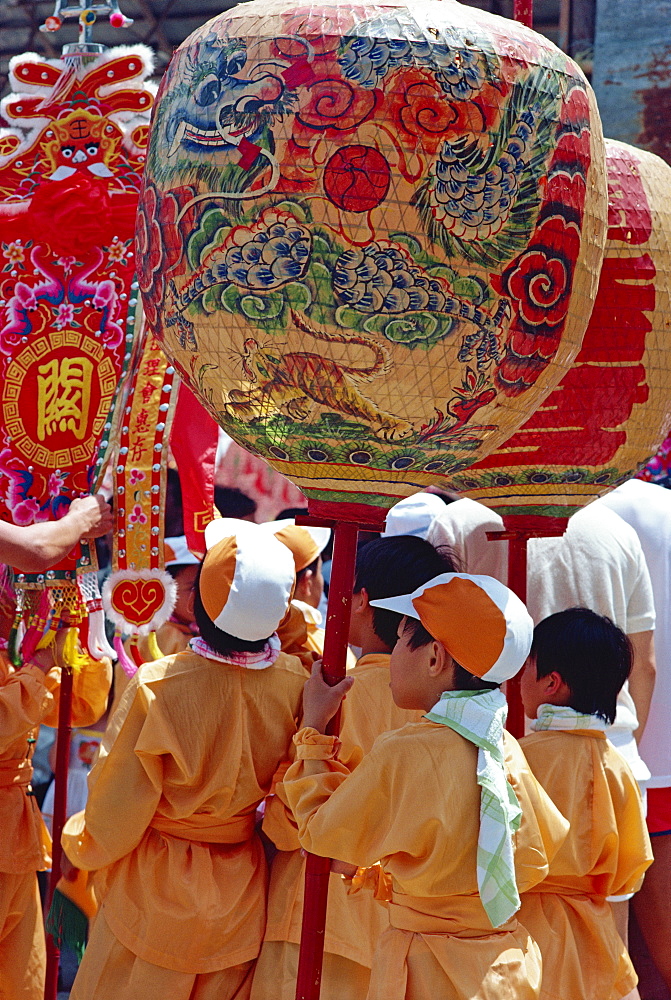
(138,600)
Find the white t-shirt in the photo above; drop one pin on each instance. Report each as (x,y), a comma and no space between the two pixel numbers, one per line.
(647,508)
(598,564)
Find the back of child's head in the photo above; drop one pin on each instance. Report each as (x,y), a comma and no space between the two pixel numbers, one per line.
(243,587)
(388,567)
(591,655)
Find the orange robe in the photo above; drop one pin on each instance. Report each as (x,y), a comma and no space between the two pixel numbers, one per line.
(171,638)
(353,922)
(169,827)
(29,697)
(413,804)
(605,854)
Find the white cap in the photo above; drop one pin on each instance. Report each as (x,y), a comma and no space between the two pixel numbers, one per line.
(177,553)
(247,580)
(305,542)
(413,516)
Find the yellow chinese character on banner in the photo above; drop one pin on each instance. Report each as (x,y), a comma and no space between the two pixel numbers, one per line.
(63,396)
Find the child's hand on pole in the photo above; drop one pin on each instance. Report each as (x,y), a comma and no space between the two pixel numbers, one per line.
(320,700)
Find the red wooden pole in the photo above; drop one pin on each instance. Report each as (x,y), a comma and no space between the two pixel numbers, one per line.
(317,870)
(60,808)
(523,11)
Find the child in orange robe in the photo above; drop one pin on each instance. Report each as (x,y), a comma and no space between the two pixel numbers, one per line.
(169,826)
(447,805)
(29,696)
(579,661)
(353,922)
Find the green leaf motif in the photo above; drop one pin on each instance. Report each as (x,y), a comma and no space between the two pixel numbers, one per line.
(230,300)
(266,307)
(419,330)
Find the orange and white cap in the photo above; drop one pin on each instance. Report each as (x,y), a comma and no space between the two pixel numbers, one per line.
(247,579)
(177,553)
(482,624)
(306,543)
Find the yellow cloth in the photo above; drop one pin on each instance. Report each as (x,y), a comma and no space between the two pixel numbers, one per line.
(121,975)
(29,697)
(169,822)
(293,636)
(276,970)
(23,956)
(413,803)
(353,922)
(170,637)
(605,853)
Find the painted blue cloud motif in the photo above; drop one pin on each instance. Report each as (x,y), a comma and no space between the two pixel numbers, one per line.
(269,258)
(481,201)
(384,279)
(461,72)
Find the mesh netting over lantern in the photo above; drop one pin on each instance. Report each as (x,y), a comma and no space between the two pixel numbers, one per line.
(613,407)
(370,236)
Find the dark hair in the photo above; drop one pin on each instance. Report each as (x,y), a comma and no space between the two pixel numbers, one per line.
(220,641)
(177,568)
(293,512)
(389,567)
(232,502)
(174,510)
(447,496)
(463,679)
(591,655)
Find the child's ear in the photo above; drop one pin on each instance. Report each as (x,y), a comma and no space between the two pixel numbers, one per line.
(440,660)
(360,601)
(553,683)
(191,602)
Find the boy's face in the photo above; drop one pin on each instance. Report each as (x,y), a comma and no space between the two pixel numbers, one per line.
(407,669)
(532,690)
(185,580)
(310,587)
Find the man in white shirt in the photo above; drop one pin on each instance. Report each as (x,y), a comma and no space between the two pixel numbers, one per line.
(647,509)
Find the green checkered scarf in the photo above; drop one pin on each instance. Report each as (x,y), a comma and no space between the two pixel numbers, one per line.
(563,717)
(479,716)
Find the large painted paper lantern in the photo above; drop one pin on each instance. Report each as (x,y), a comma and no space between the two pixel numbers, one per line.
(370,236)
(613,408)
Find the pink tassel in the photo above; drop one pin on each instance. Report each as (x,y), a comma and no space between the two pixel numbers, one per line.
(127,666)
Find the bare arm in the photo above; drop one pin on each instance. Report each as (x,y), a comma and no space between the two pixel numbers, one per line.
(33,549)
(642,677)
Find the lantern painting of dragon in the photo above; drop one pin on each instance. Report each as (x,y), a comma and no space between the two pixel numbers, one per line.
(369,237)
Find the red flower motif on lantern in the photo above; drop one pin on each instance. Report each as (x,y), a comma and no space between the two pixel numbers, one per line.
(156,216)
(417,104)
(539,281)
(336,104)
